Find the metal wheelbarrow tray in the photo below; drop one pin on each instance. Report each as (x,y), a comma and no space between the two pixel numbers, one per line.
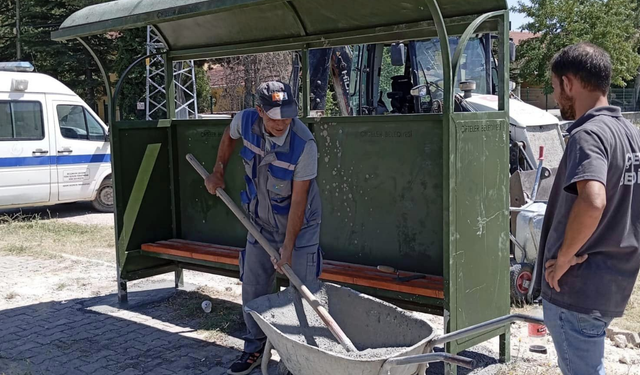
(390,340)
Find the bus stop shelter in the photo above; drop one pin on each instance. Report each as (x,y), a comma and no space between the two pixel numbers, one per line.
(432,201)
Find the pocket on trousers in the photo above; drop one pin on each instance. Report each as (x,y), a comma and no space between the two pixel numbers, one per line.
(593,326)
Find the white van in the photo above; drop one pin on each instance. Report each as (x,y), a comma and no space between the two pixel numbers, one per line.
(53,147)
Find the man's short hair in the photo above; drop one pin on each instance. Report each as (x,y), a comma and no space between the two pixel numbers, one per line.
(589,63)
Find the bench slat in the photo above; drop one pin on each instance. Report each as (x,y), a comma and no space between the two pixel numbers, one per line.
(354,274)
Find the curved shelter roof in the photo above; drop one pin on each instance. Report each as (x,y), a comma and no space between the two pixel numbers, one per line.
(190,26)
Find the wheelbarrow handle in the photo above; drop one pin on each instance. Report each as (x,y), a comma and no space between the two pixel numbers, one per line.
(286,269)
(482,328)
(428,358)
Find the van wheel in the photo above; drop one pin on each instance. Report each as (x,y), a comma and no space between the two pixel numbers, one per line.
(104,197)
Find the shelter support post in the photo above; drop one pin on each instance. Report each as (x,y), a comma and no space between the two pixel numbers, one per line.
(454,296)
(110,119)
(179,278)
(503,105)
(170,89)
(105,79)
(306,90)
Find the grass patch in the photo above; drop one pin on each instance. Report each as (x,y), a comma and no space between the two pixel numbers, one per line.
(15,249)
(225,316)
(62,286)
(34,236)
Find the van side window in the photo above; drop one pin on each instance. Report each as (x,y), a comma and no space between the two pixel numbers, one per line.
(21,121)
(77,123)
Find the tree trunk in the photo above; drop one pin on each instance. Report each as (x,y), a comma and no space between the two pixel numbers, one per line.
(248,81)
(90,91)
(636,92)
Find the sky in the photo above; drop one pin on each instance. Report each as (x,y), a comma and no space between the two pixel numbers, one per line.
(516,19)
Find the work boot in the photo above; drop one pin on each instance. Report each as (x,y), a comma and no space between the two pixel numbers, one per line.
(245,363)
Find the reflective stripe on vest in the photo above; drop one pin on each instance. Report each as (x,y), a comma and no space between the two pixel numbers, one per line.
(252,143)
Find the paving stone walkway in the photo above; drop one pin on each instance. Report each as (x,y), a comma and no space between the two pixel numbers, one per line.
(94,335)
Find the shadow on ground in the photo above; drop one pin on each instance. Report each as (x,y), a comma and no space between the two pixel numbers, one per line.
(152,334)
(97,336)
(481,362)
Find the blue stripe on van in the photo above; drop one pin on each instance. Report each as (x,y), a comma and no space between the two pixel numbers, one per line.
(52,160)
(83,159)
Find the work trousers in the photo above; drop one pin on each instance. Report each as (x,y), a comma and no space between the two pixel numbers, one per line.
(258,274)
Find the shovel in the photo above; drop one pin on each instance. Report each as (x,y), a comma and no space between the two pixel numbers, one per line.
(286,269)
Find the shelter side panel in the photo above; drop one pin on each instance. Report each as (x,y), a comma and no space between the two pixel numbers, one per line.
(205,217)
(143,193)
(381,184)
(480,226)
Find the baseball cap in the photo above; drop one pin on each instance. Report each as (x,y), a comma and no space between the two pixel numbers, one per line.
(276,99)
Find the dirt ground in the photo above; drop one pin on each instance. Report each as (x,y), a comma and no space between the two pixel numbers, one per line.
(67,252)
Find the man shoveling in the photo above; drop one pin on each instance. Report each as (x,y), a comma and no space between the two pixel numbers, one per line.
(282,200)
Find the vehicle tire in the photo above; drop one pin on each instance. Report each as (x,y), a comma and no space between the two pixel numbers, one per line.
(104,196)
(521,277)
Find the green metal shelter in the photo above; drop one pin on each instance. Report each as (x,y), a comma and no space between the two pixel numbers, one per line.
(429,199)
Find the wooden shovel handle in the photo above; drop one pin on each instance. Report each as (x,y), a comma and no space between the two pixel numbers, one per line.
(286,269)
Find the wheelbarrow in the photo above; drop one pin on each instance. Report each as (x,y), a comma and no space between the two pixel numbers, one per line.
(390,340)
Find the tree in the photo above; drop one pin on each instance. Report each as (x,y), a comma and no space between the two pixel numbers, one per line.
(69,61)
(236,78)
(609,24)
(203,89)
(129,45)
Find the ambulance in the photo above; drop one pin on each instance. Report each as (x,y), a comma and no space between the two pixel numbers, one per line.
(53,148)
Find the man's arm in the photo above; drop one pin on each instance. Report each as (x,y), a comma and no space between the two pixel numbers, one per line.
(299,197)
(216,179)
(583,220)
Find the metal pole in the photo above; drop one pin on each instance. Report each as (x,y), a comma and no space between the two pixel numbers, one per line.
(482,327)
(194,79)
(18,47)
(428,358)
(546,102)
(147,69)
(105,79)
(306,84)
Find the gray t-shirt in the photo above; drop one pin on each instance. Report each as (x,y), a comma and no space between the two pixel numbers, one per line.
(605,147)
(307,167)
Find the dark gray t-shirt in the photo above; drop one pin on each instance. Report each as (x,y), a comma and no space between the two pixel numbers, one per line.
(605,147)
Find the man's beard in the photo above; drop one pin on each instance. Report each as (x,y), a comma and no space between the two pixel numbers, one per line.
(567,106)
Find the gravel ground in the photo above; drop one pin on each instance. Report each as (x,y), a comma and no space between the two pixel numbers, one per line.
(42,276)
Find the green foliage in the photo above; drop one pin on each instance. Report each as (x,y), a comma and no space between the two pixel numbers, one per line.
(70,62)
(387,72)
(331,104)
(130,45)
(610,24)
(203,90)
(67,61)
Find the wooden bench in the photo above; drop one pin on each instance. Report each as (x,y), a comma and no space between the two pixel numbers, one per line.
(344,273)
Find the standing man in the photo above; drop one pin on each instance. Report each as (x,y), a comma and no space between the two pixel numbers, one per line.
(282,200)
(591,232)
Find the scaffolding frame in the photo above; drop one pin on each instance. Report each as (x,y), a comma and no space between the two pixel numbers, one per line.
(184,77)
